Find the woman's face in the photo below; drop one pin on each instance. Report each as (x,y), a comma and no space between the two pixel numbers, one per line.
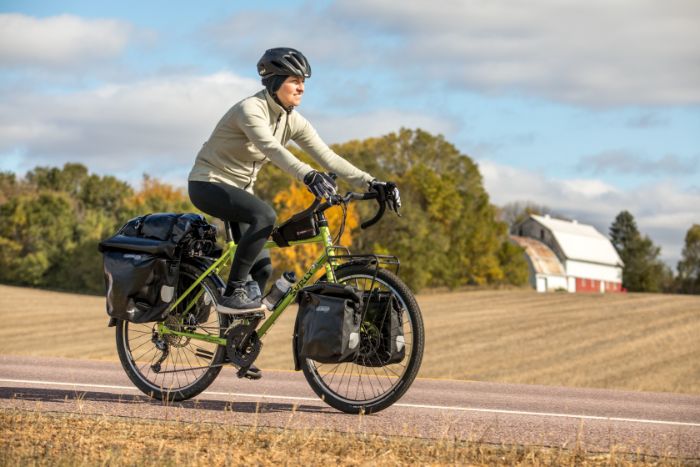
(291,91)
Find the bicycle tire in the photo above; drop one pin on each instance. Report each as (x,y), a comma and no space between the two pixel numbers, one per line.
(322,381)
(209,357)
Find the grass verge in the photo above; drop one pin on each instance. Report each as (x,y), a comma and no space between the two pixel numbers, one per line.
(34,438)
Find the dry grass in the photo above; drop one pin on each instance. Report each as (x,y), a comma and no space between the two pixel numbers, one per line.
(33,438)
(643,342)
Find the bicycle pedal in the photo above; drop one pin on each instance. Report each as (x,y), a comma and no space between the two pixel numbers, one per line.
(252,373)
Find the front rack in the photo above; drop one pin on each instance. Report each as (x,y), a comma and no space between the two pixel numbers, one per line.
(377,261)
(372,260)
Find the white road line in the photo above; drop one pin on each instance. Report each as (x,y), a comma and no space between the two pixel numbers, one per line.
(413,406)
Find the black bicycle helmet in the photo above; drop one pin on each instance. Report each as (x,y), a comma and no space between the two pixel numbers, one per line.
(283,61)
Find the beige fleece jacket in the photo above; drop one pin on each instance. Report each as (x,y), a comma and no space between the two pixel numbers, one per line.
(255,131)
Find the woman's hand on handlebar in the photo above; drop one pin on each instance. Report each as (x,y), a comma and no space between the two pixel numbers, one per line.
(388,192)
(321,185)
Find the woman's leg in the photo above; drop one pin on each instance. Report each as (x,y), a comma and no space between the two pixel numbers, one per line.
(238,206)
(261,271)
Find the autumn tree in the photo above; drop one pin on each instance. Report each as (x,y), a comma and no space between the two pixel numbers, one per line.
(156,196)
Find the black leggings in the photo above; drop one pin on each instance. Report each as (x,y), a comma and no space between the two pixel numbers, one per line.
(251,221)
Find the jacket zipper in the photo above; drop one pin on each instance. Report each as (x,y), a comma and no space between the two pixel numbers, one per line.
(274,132)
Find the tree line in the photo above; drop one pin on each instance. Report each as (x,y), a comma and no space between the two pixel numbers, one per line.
(448,234)
(644,271)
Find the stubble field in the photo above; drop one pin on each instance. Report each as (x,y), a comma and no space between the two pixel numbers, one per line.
(644,342)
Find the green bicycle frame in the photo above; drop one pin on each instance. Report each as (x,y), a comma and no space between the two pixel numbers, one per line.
(324,236)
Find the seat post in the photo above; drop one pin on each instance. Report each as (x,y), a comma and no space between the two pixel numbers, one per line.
(228,232)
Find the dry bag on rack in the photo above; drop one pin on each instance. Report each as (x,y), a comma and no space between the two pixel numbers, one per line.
(327,328)
(383,340)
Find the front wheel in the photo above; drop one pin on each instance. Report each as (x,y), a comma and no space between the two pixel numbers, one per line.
(359,387)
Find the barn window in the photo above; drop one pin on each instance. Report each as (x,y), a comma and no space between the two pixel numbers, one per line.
(541,234)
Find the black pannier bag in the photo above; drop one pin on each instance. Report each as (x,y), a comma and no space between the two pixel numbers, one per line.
(327,328)
(382,338)
(141,262)
(140,286)
(299,227)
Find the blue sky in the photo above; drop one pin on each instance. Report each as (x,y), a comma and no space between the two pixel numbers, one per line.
(588,108)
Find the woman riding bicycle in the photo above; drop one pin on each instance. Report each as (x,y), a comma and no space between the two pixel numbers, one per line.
(253,132)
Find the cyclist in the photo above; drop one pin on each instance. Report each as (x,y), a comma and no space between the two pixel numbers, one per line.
(253,132)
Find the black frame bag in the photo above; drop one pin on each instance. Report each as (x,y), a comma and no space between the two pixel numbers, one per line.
(299,227)
(383,340)
(327,328)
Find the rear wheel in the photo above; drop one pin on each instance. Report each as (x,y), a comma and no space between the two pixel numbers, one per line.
(171,367)
(355,387)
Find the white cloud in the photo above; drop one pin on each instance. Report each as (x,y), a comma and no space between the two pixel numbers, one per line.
(626,162)
(59,42)
(662,210)
(152,125)
(339,129)
(595,53)
(155,125)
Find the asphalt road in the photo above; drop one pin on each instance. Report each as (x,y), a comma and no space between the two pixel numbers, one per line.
(597,419)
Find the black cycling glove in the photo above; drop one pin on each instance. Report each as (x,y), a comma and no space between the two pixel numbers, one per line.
(320,184)
(391,192)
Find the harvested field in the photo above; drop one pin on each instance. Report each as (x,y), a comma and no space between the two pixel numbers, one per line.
(646,342)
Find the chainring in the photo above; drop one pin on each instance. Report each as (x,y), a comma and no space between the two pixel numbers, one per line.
(242,345)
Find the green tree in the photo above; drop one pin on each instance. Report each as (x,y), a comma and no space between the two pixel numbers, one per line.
(68,179)
(643,271)
(448,233)
(37,231)
(8,186)
(689,266)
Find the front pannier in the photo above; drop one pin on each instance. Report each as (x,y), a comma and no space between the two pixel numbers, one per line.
(382,337)
(328,323)
(141,262)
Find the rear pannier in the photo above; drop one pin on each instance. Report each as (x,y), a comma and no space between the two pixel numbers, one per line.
(142,260)
(327,329)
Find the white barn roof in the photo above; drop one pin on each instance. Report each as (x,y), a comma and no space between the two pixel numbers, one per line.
(580,241)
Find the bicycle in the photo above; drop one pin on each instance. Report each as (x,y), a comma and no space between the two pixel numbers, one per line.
(178,358)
